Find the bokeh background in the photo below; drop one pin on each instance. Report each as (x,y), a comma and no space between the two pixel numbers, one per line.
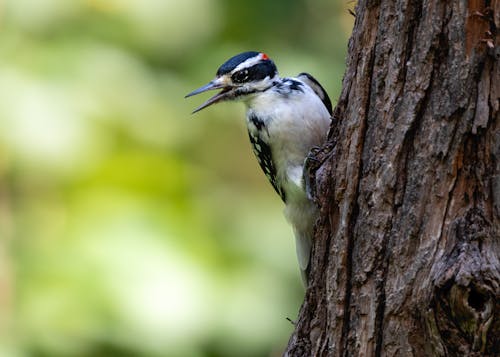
(128,226)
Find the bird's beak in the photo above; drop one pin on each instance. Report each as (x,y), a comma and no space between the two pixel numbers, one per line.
(215,84)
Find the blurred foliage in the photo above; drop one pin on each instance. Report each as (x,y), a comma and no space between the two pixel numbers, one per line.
(129,227)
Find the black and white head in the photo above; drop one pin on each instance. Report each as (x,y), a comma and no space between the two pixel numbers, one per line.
(240,76)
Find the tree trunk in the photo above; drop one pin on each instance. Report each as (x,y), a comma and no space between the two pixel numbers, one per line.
(406,258)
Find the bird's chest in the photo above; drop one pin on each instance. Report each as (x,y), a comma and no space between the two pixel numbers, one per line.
(287,124)
(277,145)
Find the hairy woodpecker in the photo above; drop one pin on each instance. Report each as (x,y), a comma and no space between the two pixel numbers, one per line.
(286,118)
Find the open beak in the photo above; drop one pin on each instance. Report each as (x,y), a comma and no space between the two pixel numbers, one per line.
(215,84)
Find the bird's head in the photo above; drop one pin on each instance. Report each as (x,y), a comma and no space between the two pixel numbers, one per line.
(238,77)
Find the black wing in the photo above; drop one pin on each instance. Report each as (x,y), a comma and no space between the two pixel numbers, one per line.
(317,88)
(264,156)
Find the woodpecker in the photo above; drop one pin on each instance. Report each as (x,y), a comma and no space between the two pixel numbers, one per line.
(286,118)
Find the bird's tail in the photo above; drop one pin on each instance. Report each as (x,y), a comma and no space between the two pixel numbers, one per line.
(302,218)
(303,243)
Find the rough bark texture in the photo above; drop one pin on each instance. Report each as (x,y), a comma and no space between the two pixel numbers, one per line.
(406,260)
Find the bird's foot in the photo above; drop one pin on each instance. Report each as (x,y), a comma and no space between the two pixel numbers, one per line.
(316,157)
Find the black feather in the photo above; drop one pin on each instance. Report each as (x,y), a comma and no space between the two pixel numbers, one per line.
(234,61)
(265,158)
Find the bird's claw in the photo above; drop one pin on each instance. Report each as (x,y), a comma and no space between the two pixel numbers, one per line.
(313,161)
(311,165)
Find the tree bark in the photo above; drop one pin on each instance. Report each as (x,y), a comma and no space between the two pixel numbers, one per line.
(406,258)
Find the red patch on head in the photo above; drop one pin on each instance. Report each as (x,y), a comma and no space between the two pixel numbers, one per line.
(264,56)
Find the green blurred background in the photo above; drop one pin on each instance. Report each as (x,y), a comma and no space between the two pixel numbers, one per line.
(128,226)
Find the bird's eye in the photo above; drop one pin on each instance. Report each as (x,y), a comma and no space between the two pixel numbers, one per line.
(240,76)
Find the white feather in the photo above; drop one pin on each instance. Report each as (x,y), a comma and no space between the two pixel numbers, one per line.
(295,122)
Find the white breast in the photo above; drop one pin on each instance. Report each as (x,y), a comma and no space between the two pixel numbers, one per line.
(294,123)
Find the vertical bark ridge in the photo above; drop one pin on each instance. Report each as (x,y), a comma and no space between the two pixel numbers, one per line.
(351,233)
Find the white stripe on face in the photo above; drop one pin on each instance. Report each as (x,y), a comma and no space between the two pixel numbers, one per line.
(248,63)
